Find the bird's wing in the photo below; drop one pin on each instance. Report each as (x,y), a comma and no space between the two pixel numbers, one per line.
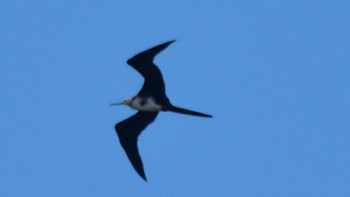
(128,131)
(143,63)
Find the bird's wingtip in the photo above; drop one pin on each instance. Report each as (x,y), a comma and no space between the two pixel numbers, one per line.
(143,176)
(167,43)
(148,55)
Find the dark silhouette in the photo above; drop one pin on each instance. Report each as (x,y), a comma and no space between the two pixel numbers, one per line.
(149,102)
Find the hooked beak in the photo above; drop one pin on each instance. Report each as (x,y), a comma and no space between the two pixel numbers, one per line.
(114,104)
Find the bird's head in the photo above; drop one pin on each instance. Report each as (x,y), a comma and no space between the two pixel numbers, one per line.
(126,101)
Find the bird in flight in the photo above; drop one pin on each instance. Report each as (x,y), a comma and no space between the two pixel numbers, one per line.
(150,100)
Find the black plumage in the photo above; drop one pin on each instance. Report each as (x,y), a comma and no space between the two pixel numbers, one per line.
(153,87)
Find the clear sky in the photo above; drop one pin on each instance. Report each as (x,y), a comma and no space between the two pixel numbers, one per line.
(275,75)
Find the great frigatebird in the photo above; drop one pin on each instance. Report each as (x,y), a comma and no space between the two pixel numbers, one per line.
(149,102)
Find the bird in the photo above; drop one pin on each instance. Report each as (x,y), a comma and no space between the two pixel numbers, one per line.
(149,101)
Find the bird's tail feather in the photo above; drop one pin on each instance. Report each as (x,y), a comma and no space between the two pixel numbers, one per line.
(188,112)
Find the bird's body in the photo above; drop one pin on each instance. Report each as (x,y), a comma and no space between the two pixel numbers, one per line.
(147,104)
(150,100)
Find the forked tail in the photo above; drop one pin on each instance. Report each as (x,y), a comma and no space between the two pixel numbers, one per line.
(188,112)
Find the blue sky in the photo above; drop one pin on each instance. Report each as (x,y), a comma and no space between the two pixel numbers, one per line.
(275,75)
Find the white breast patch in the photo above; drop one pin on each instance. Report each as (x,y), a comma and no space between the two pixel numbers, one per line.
(149,104)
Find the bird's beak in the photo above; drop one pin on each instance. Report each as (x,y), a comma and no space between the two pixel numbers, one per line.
(114,104)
